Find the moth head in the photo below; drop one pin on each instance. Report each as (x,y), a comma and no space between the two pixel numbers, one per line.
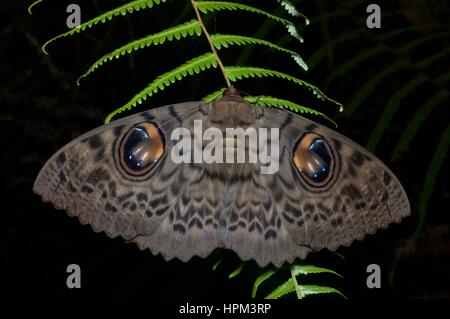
(314,160)
(141,147)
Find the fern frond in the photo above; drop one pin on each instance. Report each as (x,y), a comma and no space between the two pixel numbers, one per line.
(415,123)
(304,290)
(370,85)
(285,288)
(343,68)
(211,6)
(268,101)
(191,67)
(225,40)
(390,109)
(237,271)
(308,290)
(261,278)
(289,7)
(291,285)
(430,179)
(375,51)
(309,269)
(263,31)
(292,10)
(321,52)
(236,73)
(35,3)
(217,263)
(266,28)
(124,9)
(411,45)
(394,101)
(214,95)
(180,31)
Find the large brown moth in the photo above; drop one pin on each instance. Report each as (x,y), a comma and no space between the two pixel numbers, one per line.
(120,179)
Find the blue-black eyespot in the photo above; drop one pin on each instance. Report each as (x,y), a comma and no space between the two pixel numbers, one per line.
(314,160)
(141,148)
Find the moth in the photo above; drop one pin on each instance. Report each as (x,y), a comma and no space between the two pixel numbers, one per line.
(121,179)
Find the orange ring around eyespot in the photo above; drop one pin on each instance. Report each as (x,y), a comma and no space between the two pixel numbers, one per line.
(301,158)
(156,145)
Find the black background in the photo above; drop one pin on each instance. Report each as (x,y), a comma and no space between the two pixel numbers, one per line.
(42,109)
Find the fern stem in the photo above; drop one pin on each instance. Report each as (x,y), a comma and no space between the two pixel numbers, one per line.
(211,45)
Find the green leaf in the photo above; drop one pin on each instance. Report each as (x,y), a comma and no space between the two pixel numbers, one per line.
(284,104)
(436,163)
(217,263)
(261,278)
(291,285)
(180,31)
(296,286)
(35,3)
(324,48)
(285,288)
(394,102)
(124,9)
(308,290)
(292,10)
(211,6)
(309,269)
(236,73)
(225,40)
(344,68)
(415,123)
(237,271)
(377,50)
(305,290)
(191,67)
(371,85)
(419,116)
(390,109)
(214,95)
(321,52)
(263,31)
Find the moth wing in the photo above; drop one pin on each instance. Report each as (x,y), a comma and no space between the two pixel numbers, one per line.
(85,179)
(278,217)
(182,210)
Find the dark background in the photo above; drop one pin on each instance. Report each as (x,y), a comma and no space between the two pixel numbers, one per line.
(42,109)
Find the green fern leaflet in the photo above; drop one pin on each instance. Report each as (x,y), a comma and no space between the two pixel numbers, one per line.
(184,30)
(107,16)
(191,67)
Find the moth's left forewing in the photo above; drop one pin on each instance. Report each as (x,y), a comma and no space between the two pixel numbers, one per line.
(86,179)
